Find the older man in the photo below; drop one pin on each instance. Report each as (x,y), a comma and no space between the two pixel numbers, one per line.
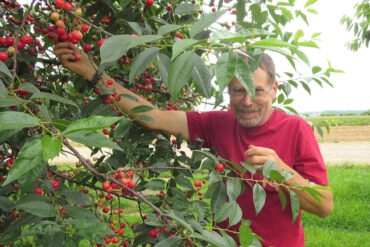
(250,130)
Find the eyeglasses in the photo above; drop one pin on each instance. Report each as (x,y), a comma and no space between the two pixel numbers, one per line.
(240,93)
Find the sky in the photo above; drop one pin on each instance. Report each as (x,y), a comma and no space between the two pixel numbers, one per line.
(351,88)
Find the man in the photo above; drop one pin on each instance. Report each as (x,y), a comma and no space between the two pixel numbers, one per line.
(250,130)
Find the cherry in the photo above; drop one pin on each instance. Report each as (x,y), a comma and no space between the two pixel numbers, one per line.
(39,191)
(77,35)
(85,28)
(220,167)
(3,56)
(149,3)
(60,4)
(87,47)
(197,183)
(77,56)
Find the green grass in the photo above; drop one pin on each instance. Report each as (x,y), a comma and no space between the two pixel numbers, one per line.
(348,224)
(342,120)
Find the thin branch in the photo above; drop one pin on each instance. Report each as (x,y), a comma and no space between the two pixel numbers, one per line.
(104,176)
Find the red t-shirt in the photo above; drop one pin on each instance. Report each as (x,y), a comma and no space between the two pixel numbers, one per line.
(292,139)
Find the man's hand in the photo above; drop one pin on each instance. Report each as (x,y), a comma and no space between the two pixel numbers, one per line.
(65,52)
(257,156)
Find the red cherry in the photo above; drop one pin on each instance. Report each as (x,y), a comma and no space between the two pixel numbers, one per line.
(179,35)
(38,191)
(220,167)
(3,56)
(87,47)
(77,56)
(153,233)
(197,183)
(100,43)
(77,35)
(55,184)
(61,31)
(68,7)
(149,2)
(106,185)
(27,39)
(213,9)
(131,184)
(169,8)
(60,4)
(85,28)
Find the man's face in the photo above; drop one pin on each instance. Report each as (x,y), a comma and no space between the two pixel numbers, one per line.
(252,113)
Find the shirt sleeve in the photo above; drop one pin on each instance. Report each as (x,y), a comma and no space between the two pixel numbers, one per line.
(309,162)
(199,127)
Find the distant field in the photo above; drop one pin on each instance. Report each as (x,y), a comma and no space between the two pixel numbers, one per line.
(342,120)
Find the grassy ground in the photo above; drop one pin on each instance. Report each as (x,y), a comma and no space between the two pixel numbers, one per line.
(343,120)
(349,223)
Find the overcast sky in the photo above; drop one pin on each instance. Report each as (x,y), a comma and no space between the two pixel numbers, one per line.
(352,88)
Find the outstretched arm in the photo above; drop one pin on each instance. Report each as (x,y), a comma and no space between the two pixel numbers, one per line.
(173,122)
(257,156)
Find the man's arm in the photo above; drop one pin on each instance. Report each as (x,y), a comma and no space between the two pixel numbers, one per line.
(257,156)
(173,122)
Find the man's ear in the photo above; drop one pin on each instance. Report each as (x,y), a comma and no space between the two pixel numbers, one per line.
(275,88)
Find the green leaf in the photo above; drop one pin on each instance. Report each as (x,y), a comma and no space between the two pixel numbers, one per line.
(308,44)
(27,182)
(79,212)
(204,22)
(240,11)
(316,69)
(244,75)
(229,210)
(309,2)
(39,208)
(91,229)
(164,63)
(269,166)
(276,176)
(225,69)
(136,27)
(218,197)
(123,128)
(179,219)
(142,61)
(230,242)
(145,118)
(169,242)
(6,204)
(282,198)
(227,36)
(93,139)
(234,188)
(245,234)
(155,184)
(181,45)
(76,197)
(306,87)
(207,154)
(185,9)
(4,70)
(3,90)
(7,100)
(29,87)
(61,124)
(281,98)
(272,42)
(42,95)
(141,108)
(294,202)
(113,49)
(143,39)
(91,123)
(248,167)
(180,72)
(259,197)
(29,157)
(212,237)
(183,182)
(302,56)
(44,227)
(16,120)
(50,147)
(168,28)
(202,76)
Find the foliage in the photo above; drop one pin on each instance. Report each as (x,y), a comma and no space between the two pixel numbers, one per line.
(173,56)
(366,113)
(359,24)
(341,120)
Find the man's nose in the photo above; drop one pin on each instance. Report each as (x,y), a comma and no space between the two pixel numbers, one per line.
(247,100)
